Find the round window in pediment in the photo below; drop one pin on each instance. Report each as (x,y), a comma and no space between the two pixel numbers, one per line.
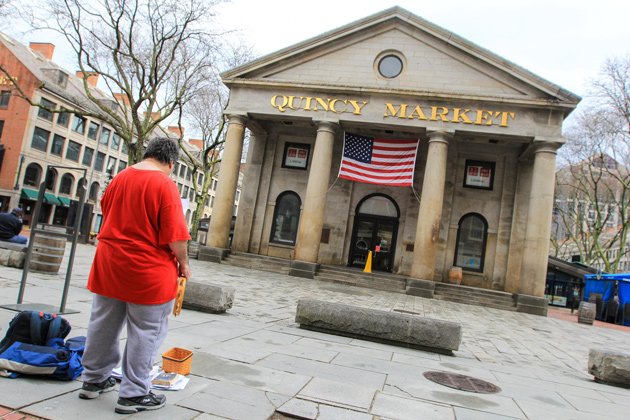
(390,66)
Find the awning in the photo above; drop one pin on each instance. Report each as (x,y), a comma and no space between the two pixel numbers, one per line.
(29,194)
(49,198)
(65,201)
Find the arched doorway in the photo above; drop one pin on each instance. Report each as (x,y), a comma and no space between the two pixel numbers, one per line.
(375,229)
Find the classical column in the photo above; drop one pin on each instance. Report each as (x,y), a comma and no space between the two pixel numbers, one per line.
(219,230)
(430,213)
(312,218)
(538,230)
(249,191)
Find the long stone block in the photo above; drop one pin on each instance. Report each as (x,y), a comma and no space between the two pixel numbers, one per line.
(610,366)
(396,328)
(207,297)
(12,255)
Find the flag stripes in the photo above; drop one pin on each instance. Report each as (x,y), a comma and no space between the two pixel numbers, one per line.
(378,161)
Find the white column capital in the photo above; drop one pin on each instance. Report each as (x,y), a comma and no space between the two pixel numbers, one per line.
(239,119)
(329,126)
(546,146)
(441,136)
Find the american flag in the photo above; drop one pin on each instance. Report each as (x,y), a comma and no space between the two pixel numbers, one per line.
(378,161)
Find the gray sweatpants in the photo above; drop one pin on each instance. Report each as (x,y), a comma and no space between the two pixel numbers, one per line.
(147,326)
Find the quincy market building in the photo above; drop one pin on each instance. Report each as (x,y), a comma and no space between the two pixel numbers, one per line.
(481,193)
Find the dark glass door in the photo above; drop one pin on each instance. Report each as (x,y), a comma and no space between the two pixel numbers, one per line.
(376,235)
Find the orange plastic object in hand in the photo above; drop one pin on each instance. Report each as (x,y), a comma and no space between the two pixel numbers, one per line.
(179,298)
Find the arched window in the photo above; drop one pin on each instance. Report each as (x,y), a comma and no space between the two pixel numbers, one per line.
(51,179)
(93,191)
(188,215)
(32,175)
(286,217)
(378,205)
(67,181)
(81,184)
(471,242)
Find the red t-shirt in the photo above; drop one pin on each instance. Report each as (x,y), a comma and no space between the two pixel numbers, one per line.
(142,214)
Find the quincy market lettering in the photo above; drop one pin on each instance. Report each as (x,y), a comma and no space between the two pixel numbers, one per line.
(403,111)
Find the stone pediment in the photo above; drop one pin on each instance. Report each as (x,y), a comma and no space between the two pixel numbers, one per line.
(436,63)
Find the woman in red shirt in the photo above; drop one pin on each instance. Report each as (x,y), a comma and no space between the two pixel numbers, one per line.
(142,248)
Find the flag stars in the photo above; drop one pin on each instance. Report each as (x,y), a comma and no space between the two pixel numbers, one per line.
(358,148)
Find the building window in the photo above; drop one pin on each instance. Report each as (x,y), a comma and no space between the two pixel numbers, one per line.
(32,175)
(1,127)
(40,139)
(121,165)
(45,113)
(94,191)
(99,162)
(67,181)
(200,178)
(479,174)
(88,154)
(5,96)
(63,118)
(73,151)
(57,145)
(78,124)
(214,184)
(51,179)
(93,130)
(185,193)
(115,141)
(124,149)
(81,185)
(182,170)
(286,217)
(104,139)
(471,242)
(111,165)
(390,66)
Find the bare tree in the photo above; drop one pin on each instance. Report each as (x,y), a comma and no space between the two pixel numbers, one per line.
(592,213)
(151,55)
(204,115)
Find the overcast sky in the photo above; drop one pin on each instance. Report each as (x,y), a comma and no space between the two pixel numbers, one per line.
(563,41)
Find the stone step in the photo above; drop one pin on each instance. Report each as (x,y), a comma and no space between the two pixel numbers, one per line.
(475,302)
(357,272)
(445,288)
(381,282)
(475,295)
(262,263)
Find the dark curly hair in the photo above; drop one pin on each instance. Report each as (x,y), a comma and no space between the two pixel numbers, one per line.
(162,149)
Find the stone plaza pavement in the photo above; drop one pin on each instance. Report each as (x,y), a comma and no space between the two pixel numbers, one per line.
(254,362)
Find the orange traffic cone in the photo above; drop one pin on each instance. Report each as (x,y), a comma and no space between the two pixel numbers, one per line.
(368,263)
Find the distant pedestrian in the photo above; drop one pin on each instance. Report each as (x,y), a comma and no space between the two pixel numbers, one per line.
(141,250)
(11,226)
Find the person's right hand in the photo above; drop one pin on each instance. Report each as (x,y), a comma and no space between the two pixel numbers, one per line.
(184,270)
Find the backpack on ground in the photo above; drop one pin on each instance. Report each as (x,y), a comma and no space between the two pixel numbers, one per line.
(34,345)
(57,360)
(34,327)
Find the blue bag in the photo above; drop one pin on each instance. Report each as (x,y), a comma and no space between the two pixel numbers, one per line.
(56,360)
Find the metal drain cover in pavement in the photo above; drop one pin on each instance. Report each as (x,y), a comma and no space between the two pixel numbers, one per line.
(462,382)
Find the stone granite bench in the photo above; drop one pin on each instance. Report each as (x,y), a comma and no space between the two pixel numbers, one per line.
(390,327)
(610,366)
(207,297)
(12,255)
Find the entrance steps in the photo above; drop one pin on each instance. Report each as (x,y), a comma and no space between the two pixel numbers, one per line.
(474,296)
(356,277)
(377,280)
(258,262)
